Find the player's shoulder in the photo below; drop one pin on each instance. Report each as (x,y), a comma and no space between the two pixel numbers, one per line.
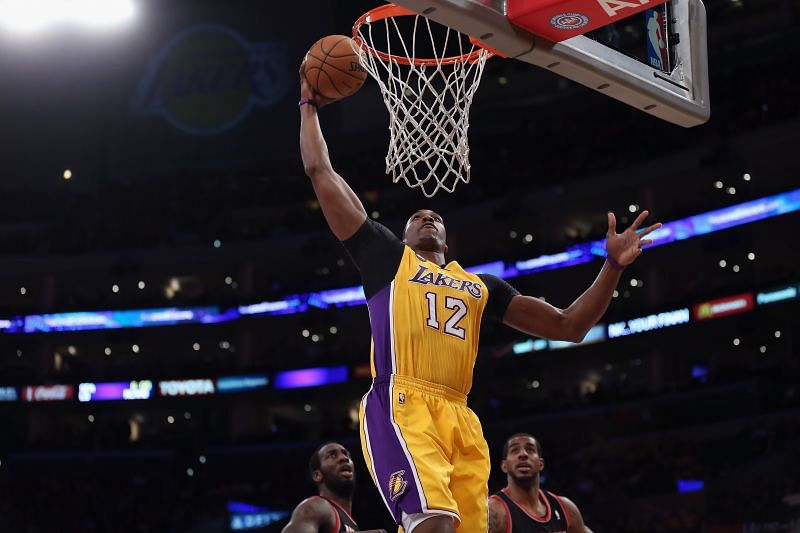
(498,519)
(314,505)
(495,498)
(569,507)
(566,502)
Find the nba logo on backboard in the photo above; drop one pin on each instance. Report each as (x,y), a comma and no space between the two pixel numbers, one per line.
(569,21)
(656,42)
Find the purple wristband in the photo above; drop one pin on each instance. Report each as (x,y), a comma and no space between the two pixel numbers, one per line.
(614,264)
(309,101)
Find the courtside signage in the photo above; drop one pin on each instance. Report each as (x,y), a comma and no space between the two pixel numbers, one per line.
(48,393)
(121,390)
(730,305)
(8,394)
(777,295)
(186,387)
(648,323)
(242,383)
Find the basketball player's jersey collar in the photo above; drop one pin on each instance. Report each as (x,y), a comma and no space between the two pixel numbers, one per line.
(539,518)
(452,265)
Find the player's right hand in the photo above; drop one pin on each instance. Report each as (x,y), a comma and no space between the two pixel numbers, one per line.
(307,91)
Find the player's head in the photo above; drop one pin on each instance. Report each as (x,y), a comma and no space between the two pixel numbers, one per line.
(522,459)
(425,232)
(331,466)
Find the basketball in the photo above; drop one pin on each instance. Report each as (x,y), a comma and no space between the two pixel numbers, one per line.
(333,68)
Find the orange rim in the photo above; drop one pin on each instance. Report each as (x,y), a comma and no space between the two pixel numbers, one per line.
(390,11)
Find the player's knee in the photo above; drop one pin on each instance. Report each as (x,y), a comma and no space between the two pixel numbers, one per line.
(436,524)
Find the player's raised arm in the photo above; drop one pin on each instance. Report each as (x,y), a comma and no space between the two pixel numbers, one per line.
(536,317)
(340,205)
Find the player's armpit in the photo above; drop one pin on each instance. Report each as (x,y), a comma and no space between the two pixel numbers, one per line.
(497,517)
(310,516)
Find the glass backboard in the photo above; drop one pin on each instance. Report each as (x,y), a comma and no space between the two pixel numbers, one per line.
(668,80)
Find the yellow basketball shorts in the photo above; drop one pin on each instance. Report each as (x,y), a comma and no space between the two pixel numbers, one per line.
(425,451)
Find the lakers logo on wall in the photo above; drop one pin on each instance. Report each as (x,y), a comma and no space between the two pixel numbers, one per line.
(208,78)
(397,485)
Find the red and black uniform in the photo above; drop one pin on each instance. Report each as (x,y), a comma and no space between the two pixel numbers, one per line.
(520,520)
(344,522)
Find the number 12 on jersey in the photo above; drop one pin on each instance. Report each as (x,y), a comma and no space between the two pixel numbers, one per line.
(459,311)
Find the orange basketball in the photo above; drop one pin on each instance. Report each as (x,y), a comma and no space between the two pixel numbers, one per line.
(332,67)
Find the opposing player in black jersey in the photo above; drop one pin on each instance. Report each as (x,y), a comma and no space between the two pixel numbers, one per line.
(523,507)
(332,470)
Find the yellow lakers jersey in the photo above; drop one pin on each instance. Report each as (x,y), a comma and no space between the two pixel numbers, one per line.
(427,322)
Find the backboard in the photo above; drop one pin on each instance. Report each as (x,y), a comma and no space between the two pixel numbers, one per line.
(669,82)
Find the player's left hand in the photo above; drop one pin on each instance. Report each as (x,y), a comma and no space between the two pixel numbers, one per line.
(623,248)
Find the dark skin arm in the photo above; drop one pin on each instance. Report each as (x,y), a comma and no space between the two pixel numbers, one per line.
(497,517)
(315,515)
(538,318)
(576,524)
(340,205)
(311,516)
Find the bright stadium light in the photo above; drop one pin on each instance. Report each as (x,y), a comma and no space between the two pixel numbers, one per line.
(28,16)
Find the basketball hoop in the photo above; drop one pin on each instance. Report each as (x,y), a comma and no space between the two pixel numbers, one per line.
(427,82)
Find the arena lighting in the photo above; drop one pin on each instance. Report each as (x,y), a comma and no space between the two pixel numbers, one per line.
(674,231)
(495,268)
(337,298)
(596,334)
(32,16)
(310,377)
(89,320)
(530,345)
(690,485)
(720,219)
(700,373)
(290,305)
(244,516)
(574,256)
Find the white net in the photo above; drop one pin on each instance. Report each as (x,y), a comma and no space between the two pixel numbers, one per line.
(428,99)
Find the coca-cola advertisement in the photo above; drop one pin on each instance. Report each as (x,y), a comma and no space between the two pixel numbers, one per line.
(48,393)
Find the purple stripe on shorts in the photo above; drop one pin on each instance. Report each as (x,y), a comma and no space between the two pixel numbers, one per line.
(380,321)
(393,471)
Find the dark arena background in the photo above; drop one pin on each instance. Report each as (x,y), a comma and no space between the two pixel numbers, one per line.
(179,329)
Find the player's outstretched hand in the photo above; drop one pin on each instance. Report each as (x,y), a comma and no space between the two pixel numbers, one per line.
(623,248)
(306,91)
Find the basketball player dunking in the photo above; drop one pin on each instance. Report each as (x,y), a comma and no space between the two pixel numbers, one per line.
(522,506)
(423,446)
(332,471)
